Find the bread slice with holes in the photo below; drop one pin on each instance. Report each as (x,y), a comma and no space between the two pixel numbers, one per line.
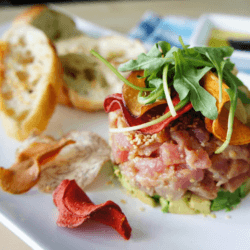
(87,80)
(56,25)
(31,75)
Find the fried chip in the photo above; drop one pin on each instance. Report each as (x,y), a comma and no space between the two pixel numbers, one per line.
(25,172)
(81,161)
(241,132)
(75,207)
(130,95)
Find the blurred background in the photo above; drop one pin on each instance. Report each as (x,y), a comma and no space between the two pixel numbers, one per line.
(30,2)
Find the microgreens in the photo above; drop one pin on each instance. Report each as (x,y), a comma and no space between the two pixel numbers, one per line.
(182,70)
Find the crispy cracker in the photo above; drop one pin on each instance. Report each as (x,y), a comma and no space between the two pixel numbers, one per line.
(81,161)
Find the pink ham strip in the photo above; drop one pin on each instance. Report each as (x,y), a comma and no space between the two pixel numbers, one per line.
(115,102)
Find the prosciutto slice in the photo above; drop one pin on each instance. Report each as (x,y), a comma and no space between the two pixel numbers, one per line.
(115,102)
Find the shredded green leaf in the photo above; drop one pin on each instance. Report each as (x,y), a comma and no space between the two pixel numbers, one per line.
(167,94)
(233,94)
(228,201)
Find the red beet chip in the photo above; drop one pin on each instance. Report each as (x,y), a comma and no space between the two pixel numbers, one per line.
(114,218)
(75,207)
(70,220)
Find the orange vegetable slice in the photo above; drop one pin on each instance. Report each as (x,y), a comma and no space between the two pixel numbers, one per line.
(130,95)
(218,127)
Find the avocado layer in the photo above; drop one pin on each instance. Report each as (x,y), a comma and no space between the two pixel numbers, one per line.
(189,204)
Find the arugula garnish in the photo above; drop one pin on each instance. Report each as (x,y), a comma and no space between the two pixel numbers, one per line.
(186,82)
(216,56)
(181,70)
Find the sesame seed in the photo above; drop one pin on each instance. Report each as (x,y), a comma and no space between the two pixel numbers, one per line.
(142,209)
(232,154)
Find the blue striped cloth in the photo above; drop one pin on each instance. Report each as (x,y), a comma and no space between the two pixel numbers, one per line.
(153,28)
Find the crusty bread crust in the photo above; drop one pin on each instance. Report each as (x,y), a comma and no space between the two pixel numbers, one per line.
(83,103)
(56,25)
(20,120)
(28,15)
(63,96)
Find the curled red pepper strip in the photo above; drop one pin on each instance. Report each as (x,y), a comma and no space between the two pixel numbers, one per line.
(115,102)
(75,207)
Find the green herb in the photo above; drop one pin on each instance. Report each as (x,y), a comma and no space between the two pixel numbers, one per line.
(144,62)
(182,69)
(166,91)
(156,197)
(216,56)
(233,94)
(186,82)
(152,97)
(228,201)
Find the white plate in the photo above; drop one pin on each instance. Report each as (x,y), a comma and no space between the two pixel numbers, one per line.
(32,216)
(233,23)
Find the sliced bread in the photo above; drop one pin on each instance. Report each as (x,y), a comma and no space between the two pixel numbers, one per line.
(54,24)
(87,80)
(31,77)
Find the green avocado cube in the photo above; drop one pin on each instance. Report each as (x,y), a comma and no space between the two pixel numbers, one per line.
(200,204)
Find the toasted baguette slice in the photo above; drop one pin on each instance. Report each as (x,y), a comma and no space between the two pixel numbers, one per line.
(31,77)
(87,80)
(54,24)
